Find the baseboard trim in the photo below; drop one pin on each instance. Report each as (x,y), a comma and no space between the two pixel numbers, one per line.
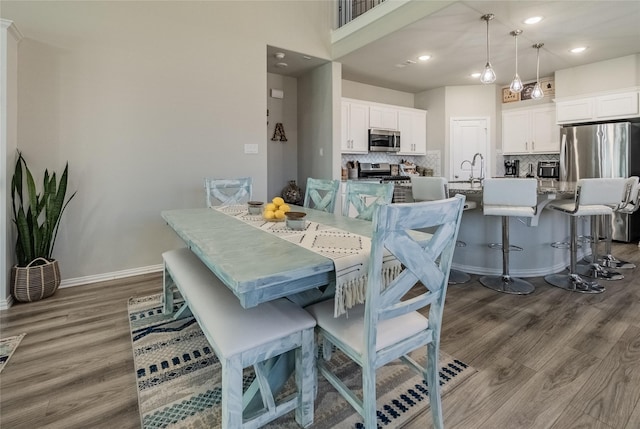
(78,281)
(6,302)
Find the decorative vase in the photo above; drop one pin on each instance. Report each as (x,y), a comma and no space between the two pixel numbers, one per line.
(35,282)
(291,193)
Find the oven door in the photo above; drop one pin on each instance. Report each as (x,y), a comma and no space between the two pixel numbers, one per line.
(384,141)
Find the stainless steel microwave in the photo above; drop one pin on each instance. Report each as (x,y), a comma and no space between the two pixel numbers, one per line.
(384,141)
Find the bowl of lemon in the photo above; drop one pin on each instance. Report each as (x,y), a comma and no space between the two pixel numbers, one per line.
(275,210)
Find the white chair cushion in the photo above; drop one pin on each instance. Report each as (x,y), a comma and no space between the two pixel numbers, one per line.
(510,192)
(233,328)
(568,206)
(349,328)
(428,188)
(509,211)
(601,191)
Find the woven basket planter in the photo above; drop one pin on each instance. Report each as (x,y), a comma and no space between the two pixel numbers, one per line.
(35,282)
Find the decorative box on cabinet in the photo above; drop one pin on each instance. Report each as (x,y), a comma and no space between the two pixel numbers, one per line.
(618,105)
(355,127)
(530,130)
(412,125)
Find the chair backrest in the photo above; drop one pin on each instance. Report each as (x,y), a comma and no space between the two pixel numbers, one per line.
(428,188)
(321,194)
(600,191)
(426,260)
(630,201)
(366,197)
(510,192)
(224,192)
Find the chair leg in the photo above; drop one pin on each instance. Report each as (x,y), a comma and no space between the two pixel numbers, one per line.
(369,396)
(505,283)
(610,261)
(306,377)
(232,393)
(432,377)
(594,269)
(572,281)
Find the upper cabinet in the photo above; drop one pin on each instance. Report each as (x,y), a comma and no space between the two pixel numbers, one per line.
(618,105)
(355,127)
(412,124)
(530,130)
(385,118)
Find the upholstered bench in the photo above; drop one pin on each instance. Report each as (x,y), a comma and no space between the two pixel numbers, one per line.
(246,337)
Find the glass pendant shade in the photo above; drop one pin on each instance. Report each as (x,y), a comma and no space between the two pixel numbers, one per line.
(537,92)
(488,75)
(516,84)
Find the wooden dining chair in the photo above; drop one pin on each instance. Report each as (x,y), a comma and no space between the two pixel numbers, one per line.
(321,194)
(387,327)
(224,192)
(365,198)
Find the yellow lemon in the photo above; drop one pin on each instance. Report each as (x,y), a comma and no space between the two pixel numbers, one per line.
(269,214)
(271,207)
(279,214)
(278,201)
(285,208)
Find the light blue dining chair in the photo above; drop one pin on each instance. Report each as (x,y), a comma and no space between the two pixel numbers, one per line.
(387,326)
(321,194)
(365,198)
(225,192)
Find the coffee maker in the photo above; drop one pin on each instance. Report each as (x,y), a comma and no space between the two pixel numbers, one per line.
(512,168)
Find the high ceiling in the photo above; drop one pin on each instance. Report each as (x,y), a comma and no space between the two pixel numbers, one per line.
(455,37)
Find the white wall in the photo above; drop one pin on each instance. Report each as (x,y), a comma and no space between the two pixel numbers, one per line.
(376,94)
(618,73)
(282,157)
(145,99)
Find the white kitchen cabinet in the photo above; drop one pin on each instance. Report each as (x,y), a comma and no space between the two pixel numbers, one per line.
(617,105)
(412,124)
(355,127)
(385,118)
(530,130)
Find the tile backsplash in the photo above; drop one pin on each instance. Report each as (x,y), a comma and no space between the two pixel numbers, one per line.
(525,160)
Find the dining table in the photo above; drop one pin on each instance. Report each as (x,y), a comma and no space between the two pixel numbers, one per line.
(258,266)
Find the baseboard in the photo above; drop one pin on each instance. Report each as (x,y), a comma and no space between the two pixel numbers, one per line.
(6,302)
(78,281)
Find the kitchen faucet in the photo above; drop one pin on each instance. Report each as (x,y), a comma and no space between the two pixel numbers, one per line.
(473,163)
(470,165)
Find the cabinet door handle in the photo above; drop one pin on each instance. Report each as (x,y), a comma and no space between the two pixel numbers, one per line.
(533,145)
(526,145)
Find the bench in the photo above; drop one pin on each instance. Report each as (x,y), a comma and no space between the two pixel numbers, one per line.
(246,337)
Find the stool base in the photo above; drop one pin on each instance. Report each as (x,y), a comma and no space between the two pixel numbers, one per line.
(507,284)
(573,283)
(596,271)
(458,277)
(611,261)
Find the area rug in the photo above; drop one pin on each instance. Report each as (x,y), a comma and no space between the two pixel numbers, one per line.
(178,379)
(7,347)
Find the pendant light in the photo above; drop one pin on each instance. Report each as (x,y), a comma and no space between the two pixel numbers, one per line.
(537,92)
(488,75)
(516,83)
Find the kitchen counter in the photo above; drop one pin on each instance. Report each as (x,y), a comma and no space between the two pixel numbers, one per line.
(545,187)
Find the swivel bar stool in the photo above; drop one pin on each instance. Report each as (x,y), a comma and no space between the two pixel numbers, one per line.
(629,205)
(508,197)
(593,197)
(426,188)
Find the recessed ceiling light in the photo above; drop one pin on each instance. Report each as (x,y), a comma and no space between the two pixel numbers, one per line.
(533,20)
(578,50)
(424,57)
(475,75)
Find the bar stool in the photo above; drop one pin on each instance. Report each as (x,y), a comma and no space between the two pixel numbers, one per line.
(593,197)
(629,205)
(426,188)
(508,197)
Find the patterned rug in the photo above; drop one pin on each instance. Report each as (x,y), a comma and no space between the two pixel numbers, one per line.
(178,379)
(7,347)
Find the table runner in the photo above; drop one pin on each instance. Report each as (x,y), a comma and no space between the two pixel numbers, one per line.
(348,251)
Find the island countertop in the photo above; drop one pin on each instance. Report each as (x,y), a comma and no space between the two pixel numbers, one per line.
(545,187)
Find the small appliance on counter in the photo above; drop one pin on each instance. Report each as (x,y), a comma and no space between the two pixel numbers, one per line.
(548,169)
(512,168)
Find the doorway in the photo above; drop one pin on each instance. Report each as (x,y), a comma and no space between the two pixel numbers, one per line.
(469,136)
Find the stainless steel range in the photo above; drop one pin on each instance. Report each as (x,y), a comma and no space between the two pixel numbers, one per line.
(381,172)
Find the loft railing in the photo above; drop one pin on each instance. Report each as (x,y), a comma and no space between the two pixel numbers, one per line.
(348,10)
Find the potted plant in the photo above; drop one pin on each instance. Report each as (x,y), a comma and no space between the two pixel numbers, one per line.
(37,218)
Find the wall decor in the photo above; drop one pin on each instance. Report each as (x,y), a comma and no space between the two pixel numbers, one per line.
(508,96)
(278,133)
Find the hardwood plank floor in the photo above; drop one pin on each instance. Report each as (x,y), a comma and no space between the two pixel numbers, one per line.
(553,359)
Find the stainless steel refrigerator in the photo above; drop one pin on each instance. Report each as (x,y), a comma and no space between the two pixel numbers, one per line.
(603,150)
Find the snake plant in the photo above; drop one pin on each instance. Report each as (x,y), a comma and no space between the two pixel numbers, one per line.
(37,215)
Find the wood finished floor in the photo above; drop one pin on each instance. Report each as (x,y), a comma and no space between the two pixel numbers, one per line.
(553,359)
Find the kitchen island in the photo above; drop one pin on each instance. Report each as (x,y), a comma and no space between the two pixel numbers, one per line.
(535,235)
